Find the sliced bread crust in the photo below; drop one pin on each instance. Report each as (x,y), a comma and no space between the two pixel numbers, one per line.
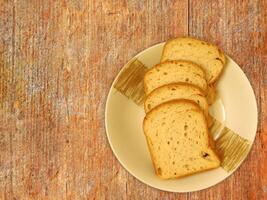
(174,72)
(208,56)
(178,139)
(177,91)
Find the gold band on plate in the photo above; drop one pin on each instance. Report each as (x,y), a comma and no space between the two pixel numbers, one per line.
(231,147)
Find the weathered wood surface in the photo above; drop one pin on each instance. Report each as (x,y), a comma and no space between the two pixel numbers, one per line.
(57,62)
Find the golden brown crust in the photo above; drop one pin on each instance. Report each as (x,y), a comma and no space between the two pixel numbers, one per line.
(170,85)
(151,155)
(196,107)
(211,94)
(220,74)
(178,61)
(178,84)
(211,143)
(189,174)
(174,102)
(209,120)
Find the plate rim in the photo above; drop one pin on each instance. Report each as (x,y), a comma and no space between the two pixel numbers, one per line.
(111,88)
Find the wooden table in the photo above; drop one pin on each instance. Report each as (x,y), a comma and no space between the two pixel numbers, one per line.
(58,59)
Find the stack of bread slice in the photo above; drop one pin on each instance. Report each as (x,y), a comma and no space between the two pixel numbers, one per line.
(177,118)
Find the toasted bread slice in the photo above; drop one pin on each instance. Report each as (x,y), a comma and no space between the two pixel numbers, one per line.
(208,56)
(178,139)
(173,72)
(177,91)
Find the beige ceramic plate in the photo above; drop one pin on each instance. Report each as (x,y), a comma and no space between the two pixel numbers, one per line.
(235,107)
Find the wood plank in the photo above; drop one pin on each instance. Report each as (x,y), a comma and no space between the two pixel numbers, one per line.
(59,60)
(240,29)
(6,83)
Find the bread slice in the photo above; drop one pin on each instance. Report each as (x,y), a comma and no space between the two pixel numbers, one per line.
(173,72)
(208,56)
(178,139)
(177,91)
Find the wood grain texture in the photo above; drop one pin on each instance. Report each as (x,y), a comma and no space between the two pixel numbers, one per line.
(57,62)
(240,29)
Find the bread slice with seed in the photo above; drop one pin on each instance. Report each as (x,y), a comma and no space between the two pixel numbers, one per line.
(173,72)
(208,56)
(178,139)
(177,91)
